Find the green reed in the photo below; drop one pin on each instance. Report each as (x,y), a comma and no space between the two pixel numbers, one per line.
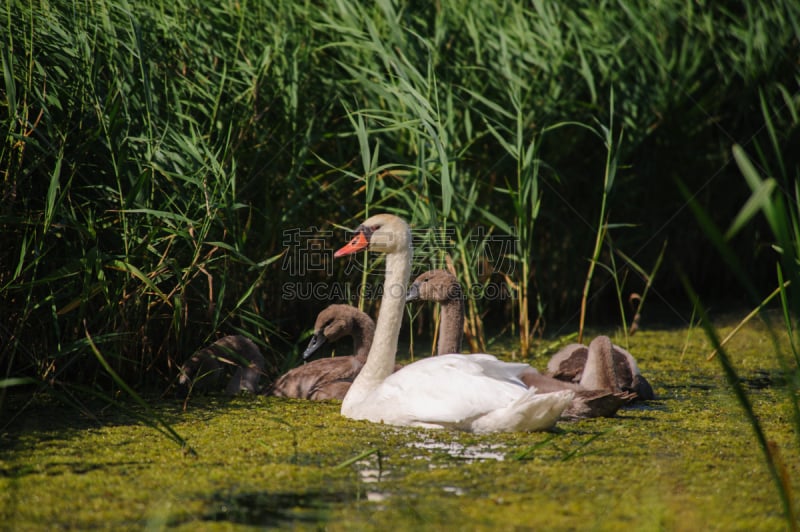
(156,157)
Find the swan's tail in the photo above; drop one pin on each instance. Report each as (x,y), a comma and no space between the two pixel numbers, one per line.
(531,411)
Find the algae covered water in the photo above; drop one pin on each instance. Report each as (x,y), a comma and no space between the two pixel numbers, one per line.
(687,460)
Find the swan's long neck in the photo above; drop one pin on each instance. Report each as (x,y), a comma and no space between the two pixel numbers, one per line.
(381,359)
(451,329)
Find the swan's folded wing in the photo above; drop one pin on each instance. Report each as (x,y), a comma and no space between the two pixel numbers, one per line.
(448,390)
(303,381)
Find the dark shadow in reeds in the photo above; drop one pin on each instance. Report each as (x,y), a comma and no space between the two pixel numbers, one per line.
(151,417)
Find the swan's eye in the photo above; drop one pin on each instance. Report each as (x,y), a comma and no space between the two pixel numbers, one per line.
(374,227)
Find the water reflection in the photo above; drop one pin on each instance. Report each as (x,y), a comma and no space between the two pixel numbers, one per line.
(468,453)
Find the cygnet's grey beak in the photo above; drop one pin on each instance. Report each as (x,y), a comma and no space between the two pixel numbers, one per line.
(413,293)
(316,342)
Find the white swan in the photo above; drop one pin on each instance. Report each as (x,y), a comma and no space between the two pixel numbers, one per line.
(475,393)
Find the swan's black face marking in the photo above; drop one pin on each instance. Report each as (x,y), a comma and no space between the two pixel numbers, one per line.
(381,241)
(367,231)
(360,241)
(364,231)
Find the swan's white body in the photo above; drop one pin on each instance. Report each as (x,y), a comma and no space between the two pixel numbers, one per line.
(476,393)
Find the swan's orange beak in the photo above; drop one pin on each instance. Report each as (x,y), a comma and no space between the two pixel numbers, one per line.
(358,243)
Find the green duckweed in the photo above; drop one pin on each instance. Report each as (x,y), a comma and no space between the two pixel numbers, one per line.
(686,461)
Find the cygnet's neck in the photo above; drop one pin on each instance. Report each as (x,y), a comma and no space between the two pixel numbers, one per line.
(363,333)
(599,372)
(451,329)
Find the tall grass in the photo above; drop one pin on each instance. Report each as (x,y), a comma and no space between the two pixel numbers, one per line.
(156,157)
(611,145)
